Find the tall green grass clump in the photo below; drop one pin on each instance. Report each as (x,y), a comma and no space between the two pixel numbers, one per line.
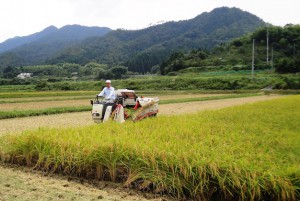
(249,152)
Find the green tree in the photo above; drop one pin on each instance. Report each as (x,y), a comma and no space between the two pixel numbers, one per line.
(286,65)
(118,71)
(155,69)
(102,74)
(10,72)
(109,75)
(42,85)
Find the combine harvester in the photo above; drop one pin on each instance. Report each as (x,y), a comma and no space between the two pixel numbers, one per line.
(121,109)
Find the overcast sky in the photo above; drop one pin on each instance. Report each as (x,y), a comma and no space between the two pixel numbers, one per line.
(24,17)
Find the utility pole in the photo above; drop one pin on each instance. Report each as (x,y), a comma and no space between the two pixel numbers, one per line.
(267,44)
(253,59)
(272,64)
(294,51)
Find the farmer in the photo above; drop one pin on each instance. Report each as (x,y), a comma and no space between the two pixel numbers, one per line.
(108,92)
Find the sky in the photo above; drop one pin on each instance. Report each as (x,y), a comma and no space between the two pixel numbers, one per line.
(24,17)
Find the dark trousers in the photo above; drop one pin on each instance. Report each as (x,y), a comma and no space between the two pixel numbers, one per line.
(105,107)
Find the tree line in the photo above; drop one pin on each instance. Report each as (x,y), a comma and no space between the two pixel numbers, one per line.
(91,70)
(284,53)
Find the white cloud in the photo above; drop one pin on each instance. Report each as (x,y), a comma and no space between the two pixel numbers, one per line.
(26,17)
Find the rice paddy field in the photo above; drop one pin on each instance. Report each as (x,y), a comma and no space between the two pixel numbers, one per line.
(51,102)
(32,115)
(245,152)
(13,108)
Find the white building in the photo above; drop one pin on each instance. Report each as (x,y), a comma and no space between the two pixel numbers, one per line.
(24,75)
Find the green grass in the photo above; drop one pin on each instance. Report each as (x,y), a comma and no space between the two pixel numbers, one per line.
(192,71)
(58,110)
(21,88)
(249,152)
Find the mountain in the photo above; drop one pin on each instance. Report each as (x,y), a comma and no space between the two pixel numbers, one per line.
(139,49)
(36,48)
(142,49)
(18,41)
(74,33)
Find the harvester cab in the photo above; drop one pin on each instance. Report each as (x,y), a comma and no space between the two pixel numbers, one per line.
(126,106)
(127,98)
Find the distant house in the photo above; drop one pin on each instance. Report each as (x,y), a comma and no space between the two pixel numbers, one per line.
(24,75)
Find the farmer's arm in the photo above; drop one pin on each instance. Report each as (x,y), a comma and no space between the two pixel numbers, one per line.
(102,93)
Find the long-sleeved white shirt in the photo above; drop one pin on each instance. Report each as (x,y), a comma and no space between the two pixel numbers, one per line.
(108,93)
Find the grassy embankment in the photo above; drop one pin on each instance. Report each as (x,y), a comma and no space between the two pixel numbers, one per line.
(247,152)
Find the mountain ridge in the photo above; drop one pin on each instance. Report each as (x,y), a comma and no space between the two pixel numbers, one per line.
(144,48)
(17,41)
(40,48)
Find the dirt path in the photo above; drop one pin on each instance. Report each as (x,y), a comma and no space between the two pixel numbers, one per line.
(84,118)
(20,184)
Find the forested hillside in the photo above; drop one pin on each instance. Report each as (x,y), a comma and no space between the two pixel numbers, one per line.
(142,49)
(284,54)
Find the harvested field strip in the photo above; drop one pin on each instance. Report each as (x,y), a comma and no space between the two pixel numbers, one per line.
(77,119)
(47,111)
(50,99)
(183,96)
(25,184)
(44,105)
(43,99)
(84,102)
(11,110)
(207,98)
(249,152)
(45,94)
(193,107)
(10,95)
(36,94)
